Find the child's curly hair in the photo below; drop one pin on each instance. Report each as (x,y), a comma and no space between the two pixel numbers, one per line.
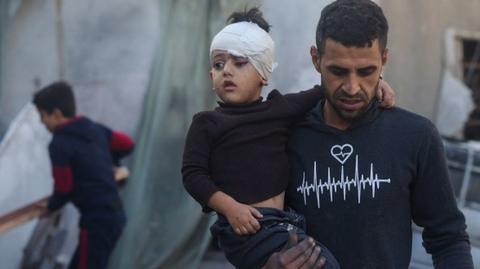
(251,15)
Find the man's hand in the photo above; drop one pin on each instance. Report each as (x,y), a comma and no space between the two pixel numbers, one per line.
(243,219)
(385,94)
(303,255)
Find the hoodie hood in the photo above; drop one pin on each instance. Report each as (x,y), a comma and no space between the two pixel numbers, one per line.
(315,119)
(80,127)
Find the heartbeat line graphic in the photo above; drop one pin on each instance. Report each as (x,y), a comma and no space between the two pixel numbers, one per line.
(360,182)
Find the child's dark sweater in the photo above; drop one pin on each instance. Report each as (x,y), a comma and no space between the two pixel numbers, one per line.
(241,150)
(83,153)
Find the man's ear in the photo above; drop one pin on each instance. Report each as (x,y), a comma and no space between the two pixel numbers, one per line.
(385,56)
(315,58)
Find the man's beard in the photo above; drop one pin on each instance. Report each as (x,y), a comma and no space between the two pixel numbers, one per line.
(346,115)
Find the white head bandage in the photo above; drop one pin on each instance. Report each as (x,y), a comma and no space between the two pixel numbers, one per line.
(247,39)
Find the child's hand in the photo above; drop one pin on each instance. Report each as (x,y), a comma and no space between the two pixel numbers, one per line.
(243,219)
(385,94)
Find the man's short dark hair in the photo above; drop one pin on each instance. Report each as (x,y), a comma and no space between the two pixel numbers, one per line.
(58,95)
(354,23)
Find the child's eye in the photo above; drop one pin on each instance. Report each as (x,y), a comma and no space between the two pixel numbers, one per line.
(241,63)
(218,65)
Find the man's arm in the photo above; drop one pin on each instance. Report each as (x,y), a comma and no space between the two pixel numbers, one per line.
(434,207)
(304,101)
(62,176)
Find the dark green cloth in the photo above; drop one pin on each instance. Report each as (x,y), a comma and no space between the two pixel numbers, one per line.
(166,227)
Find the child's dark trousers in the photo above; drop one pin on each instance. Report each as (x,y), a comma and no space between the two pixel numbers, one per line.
(252,251)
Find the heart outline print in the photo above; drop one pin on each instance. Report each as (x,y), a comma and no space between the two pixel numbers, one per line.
(340,154)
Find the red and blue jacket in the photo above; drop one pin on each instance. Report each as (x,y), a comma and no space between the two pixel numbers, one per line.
(83,154)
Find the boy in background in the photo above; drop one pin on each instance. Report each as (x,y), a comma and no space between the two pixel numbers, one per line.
(83,154)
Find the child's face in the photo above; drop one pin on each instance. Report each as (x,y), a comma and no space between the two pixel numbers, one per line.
(234,78)
(52,120)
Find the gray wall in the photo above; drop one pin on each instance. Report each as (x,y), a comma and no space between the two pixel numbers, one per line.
(25,176)
(416,45)
(293,31)
(29,52)
(107,54)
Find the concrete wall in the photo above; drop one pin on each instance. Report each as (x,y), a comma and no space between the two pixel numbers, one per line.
(107,52)
(29,53)
(25,176)
(417,49)
(294,24)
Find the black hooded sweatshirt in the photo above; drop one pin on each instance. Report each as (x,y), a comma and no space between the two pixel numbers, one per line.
(83,154)
(361,188)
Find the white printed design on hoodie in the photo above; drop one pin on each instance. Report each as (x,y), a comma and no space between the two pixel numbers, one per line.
(330,185)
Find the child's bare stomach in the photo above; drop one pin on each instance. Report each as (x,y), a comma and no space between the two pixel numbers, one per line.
(275,202)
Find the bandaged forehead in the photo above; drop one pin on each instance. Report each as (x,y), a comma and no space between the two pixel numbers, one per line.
(247,39)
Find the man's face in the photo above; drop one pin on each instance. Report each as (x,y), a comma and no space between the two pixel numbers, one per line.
(350,76)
